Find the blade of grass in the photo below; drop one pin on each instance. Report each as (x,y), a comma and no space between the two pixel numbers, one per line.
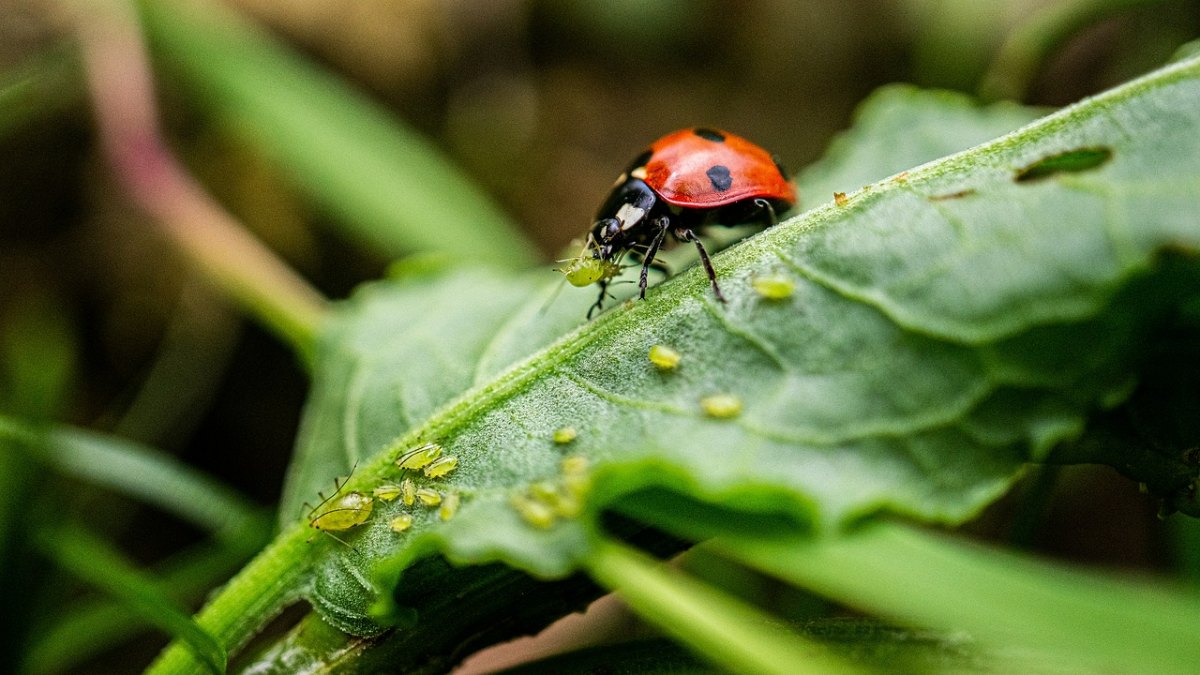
(42,86)
(730,633)
(93,561)
(998,597)
(38,365)
(388,186)
(84,629)
(141,472)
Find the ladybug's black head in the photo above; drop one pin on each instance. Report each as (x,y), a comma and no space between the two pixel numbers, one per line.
(620,219)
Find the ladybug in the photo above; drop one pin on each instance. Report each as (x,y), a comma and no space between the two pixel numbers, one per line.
(686,181)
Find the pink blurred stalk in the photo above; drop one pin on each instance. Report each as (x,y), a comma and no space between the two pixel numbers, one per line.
(119,80)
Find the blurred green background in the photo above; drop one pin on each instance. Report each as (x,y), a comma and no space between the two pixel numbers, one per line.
(540,104)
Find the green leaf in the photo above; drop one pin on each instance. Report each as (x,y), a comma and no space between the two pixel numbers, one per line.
(900,127)
(947,325)
(385,184)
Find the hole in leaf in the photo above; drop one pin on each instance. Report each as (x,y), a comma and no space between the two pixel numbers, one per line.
(1071,161)
(953,195)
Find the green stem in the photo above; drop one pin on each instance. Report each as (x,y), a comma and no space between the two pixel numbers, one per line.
(118,77)
(1000,598)
(732,634)
(260,591)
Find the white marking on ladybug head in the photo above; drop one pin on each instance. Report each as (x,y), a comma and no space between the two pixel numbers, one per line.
(638,173)
(629,215)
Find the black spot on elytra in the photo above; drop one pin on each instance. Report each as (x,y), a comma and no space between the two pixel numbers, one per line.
(640,161)
(719,175)
(1071,161)
(710,135)
(779,167)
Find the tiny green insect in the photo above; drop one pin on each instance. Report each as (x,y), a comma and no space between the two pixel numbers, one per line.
(775,286)
(345,512)
(387,492)
(440,467)
(419,457)
(575,464)
(400,523)
(586,270)
(408,490)
(722,406)
(449,506)
(429,497)
(560,500)
(664,358)
(564,435)
(535,513)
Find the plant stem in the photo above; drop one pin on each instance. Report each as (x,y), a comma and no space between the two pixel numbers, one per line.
(118,78)
(260,591)
(732,634)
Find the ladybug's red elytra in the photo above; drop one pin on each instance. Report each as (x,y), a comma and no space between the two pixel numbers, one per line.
(686,181)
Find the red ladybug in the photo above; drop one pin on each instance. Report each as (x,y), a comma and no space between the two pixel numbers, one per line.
(685,181)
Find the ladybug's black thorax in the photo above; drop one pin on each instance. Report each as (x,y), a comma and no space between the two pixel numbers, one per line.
(629,219)
(626,218)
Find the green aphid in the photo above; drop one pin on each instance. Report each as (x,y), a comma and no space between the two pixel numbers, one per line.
(721,406)
(440,467)
(567,506)
(544,491)
(387,492)
(664,357)
(554,496)
(774,286)
(341,513)
(564,435)
(586,270)
(419,457)
(408,491)
(449,506)
(429,497)
(575,465)
(534,512)
(401,522)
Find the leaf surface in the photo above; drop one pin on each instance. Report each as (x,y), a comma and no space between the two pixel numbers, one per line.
(948,324)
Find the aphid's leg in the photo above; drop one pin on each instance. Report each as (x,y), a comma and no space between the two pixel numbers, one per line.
(662,223)
(688,235)
(339,540)
(600,300)
(766,206)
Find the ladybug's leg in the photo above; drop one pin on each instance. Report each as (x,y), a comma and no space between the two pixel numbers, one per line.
(600,300)
(766,206)
(689,235)
(663,223)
